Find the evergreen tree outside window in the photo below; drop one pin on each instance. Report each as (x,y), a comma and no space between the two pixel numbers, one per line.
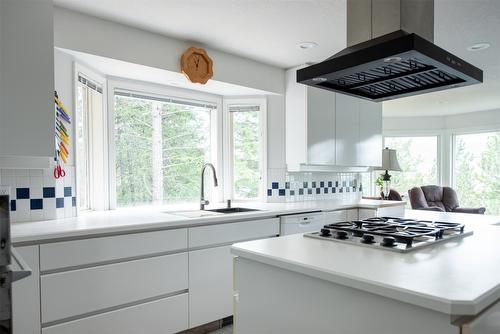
(160,146)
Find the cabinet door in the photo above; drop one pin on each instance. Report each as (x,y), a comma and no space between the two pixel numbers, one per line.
(27,89)
(347,129)
(26,295)
(370,134)
(320,126)
(210,285)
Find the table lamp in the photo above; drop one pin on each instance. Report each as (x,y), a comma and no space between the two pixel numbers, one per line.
(389,163)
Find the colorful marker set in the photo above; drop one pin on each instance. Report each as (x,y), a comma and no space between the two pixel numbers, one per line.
(62,137)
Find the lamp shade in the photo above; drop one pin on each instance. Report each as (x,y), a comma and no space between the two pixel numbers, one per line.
(389,160)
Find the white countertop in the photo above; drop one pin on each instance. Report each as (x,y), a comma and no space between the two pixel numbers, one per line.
(456,277)
(153,218)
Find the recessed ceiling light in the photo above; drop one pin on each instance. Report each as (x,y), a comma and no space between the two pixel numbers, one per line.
(319,79)
(307,45)
(479,46)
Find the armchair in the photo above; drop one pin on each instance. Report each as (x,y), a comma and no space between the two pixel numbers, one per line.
(436,198)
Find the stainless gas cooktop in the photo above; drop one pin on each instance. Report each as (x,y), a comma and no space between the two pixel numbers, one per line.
(395,234)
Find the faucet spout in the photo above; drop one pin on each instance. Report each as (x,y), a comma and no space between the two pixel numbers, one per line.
(203,201)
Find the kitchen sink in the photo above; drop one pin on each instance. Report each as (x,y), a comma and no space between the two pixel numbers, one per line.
(232,210)
(208,213)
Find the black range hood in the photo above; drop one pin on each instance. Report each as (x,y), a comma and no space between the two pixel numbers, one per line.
(391,66)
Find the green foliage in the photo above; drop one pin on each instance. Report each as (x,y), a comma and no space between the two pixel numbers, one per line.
(185,144)
(246,154)
(477,178)
(417,169)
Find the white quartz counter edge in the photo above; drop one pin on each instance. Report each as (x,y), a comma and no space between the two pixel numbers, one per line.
(95,224)
(454,307)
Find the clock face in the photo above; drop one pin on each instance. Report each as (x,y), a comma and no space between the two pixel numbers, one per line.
(197,65)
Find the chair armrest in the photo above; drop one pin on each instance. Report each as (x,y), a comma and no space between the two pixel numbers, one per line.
(470,210)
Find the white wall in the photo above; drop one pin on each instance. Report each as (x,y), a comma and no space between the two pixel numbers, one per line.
(92,35)
(64,85)
(444,127)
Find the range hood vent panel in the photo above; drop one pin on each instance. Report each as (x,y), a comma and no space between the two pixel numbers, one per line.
(389,67)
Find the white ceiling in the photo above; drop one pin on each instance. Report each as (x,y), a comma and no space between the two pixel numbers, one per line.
(264,30)
(269,31)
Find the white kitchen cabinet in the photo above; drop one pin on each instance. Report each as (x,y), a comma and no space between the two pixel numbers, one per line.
(370,144)
(326,128)
(347,129)
(359,132)
(164,316)
(211,268)
(93,251)
(27,80)
(26,295)
(80,292)
(210,285)
(310,124)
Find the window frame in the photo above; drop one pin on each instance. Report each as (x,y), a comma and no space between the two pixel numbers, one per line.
(423,133)
(157,90)
(92,153)
(228,133)
(459,132)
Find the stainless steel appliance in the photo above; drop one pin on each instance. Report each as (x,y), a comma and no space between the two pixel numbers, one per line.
(12,266)
(395,234)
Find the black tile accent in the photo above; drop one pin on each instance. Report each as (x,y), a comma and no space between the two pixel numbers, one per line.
(318,191)
(73,201)
(275,185)
(305,184)
(281,192)
(309,191)
(330,184)
(341,190)
(301,191)
(336,184)
(292,192)
(49,192)
(22,193)
(36,204)
(287,185)
(269,192)
(67,191)
(322,184)
(314,184)
(13,206)
(334,190)
(325,190)
(59,202)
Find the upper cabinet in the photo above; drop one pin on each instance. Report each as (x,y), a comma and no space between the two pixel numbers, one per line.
(359,132)
(26,80)
(326,128)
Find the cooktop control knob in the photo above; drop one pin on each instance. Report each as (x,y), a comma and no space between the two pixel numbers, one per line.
(388,242)
(342,235)
(368,239)
(325,232)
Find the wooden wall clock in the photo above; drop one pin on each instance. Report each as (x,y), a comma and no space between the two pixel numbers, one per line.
(197,65)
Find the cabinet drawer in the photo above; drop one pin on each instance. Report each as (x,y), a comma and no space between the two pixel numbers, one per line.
(78,292)
(233,232)
(83,252)
(168,315)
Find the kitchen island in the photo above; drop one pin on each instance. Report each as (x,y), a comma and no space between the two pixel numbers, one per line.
(295,284)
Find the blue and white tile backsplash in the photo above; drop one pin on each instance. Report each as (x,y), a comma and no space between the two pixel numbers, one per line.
(285,186)
(36,195)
